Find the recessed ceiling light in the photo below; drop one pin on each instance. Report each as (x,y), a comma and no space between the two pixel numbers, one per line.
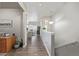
(40,4)
(51,22)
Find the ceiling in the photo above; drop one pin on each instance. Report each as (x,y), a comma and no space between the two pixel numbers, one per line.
(44,8)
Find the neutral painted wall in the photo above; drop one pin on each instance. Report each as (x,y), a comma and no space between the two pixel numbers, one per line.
(14,15)
(67,24)
(24,29)
(46,38)
(53,44)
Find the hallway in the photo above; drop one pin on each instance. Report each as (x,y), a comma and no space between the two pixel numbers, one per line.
(34,47)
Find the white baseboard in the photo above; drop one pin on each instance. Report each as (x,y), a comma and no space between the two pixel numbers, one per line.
(24,45)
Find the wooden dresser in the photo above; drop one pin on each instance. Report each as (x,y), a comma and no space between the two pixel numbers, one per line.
(6,43)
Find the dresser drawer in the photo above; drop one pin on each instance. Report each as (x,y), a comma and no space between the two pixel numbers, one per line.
(2,45)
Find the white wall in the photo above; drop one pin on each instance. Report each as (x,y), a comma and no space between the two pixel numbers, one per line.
(67,24)
(46,38)
(14,15)
(24,29)
(47,35)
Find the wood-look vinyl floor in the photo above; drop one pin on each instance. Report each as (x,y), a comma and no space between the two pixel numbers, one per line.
(34,47)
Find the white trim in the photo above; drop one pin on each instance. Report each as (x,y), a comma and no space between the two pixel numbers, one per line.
(22,5)
(24,45)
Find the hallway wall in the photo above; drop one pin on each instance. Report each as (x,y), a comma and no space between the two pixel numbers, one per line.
(46,38)
(67,25)
(46,34)
(14,15)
